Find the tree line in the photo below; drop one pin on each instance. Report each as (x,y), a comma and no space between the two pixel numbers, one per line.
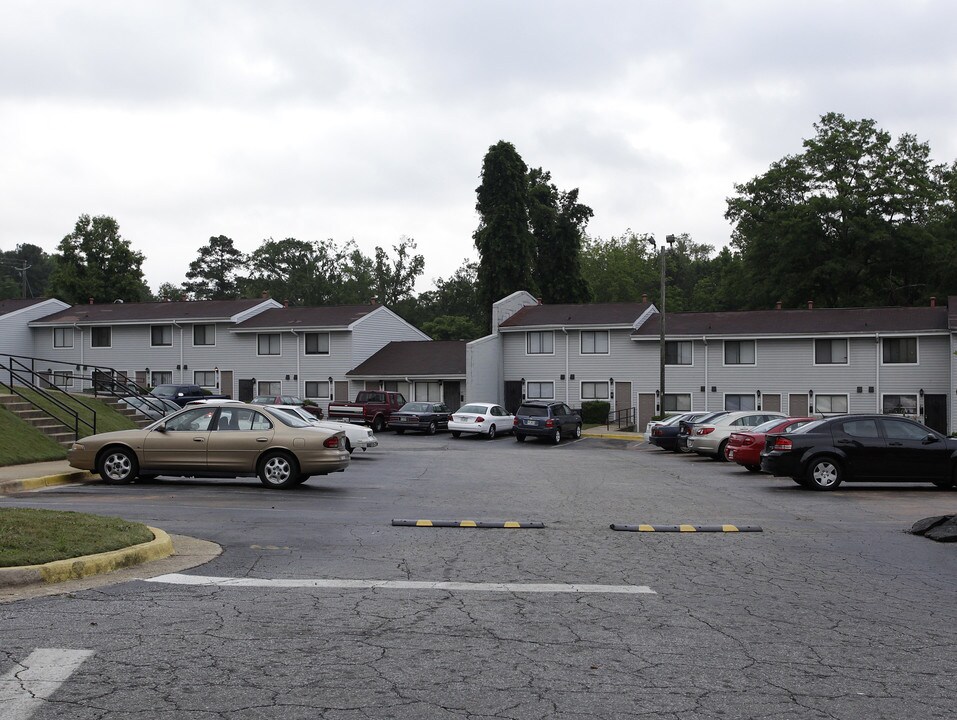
(855,219)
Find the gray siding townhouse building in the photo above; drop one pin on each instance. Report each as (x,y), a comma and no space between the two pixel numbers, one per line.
(799,361)
(239,348)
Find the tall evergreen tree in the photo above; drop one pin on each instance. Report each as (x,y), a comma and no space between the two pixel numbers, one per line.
(212,275)
(503,239)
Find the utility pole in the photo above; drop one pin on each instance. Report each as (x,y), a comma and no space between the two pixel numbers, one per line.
(669,241)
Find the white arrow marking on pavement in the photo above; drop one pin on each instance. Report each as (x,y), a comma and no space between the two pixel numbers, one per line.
(179,579)
(32,682)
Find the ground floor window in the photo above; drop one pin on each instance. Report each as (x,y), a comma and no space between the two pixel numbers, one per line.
(161,377)
(830,403)
(677,402)
(594,391)
(540,390)
(318,389)
(739,402)
(204,378)
(900,404)
(269,387)
(427,392)
(63,378)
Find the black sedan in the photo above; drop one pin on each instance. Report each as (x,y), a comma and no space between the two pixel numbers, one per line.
(425,416)
(665,435)
(865,448)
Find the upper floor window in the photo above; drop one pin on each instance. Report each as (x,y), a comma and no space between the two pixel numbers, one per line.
(594,342)
(539,390)
(540,342)
(317,343)
(101,337)
(678,352)
(62,337)
(830,352)
(739,352)
(900,350)
(270,344)
(161,335)
(204,334)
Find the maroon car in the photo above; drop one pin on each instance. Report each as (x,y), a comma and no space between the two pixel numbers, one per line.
(745,448)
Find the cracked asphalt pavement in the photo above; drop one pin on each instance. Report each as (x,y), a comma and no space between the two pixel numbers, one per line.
(833,611)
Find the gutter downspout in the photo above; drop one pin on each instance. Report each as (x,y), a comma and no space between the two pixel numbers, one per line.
(176,324)
(877,372)
(704,339)
(566,365)
(299,391)
(77,327)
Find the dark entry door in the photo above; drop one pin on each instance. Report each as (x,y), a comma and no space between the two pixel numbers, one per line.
(935,412)
(452,394)
(247,390)
(513,395)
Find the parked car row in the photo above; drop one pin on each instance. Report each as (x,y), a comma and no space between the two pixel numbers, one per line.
(817,453)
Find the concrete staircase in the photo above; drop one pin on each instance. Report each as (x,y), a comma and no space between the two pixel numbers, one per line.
(139,420)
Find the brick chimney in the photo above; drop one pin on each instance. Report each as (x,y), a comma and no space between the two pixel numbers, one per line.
(91,301)
(285,303)
(933,301)
(373,300)
(644,297)
(265,295)
(810,304)
(777,305)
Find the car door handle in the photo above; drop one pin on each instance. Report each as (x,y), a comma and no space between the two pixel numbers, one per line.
(197,439)
(262,439)
(896,444)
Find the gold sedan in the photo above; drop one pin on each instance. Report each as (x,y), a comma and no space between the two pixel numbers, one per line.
(228,440)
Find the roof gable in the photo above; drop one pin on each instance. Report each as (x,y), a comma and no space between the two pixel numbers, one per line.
(154,312)
(334,317)
(415,358)
(597,314)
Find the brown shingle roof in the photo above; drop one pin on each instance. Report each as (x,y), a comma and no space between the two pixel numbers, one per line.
(600,314)
(799,322)
(423,358)
(107,313)
(294,318)
(14,304)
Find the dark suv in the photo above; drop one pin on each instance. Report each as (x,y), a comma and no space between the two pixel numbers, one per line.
(546,419)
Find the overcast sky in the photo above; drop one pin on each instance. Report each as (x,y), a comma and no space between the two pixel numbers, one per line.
(369,120)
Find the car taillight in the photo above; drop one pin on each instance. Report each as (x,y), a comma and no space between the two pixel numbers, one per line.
(782,443)
(656,431)
(331,442)
(746,440)
(550,422)
(479,419)
(515,421)
(704,431)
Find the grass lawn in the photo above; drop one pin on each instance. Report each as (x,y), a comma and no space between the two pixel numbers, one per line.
(32,537)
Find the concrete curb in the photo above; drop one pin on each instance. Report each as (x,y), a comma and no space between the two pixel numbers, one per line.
(27,484)
(634,437)
(159,547)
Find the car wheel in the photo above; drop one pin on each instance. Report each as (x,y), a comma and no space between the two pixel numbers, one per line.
(557,437)
(349,446)
(400,431)
(117,466)
(278,470)
(519,437)
(578,431)
(378,424)
(824,473)
(945,484)
(431,429)
(753,468)
(456,433)
(491,432)
(721,456)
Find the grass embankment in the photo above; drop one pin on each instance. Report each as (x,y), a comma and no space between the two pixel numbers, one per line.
(21,443)
(33,537)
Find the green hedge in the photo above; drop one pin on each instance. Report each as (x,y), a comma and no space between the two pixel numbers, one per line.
(595,411)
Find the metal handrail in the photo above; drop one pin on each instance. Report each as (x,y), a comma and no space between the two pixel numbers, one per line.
(26,381)
(625,418)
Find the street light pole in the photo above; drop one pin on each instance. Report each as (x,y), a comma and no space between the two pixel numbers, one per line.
(670,239)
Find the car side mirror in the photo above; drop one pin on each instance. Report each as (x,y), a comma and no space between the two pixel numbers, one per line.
(161,428)
(931,439)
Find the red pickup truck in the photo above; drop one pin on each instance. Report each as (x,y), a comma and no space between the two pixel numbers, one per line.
(371,407)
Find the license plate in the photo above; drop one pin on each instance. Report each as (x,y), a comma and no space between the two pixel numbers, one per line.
(531,422)
(730,454)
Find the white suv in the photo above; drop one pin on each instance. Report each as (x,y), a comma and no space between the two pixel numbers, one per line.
(711,437)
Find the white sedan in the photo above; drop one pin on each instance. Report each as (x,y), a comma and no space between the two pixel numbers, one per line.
(481,419)
(357,436)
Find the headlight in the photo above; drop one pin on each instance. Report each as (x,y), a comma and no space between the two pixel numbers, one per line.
(77,447)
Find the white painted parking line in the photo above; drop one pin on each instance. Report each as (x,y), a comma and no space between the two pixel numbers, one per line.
(180,579)
(25,688)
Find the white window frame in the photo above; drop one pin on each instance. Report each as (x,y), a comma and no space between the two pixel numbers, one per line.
(679,343)
(916,340)
(165,377)
(676,396)
(541,386)
(259,344)
(260,385)
(197,373)
(429,386)
(322,386)
(109,329)
(847,352)
(847,402)
(594,335)
(64,346)
(317,335)
(62,375)
(900,395)
(168,327)
(541,334)
(724,354)
(206,325)
(583,383)
(753,396)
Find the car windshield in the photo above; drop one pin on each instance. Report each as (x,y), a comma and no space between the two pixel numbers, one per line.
(474,409)
(164,391)
(290,418)
(675,419)
(813,425)
(416,407)
(533,411)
